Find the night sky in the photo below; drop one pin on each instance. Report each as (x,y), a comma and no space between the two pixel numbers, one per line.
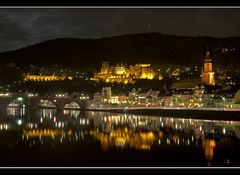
(23,27)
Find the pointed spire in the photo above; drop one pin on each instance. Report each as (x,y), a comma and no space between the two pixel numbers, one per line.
(207,54)
(207,57)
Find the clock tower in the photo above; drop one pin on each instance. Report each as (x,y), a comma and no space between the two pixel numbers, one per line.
(207,73)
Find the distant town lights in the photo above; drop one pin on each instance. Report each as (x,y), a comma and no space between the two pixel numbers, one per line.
(84,97)
(60,95)
(4,94)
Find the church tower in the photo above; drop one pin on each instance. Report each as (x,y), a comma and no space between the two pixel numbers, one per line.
(207,73)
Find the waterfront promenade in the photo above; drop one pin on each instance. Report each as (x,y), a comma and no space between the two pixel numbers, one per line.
(33,103)
(197,113)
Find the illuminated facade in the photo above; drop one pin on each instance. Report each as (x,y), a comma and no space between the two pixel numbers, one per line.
(45,78)
(44,132)
(106,93)
(207,73)
(122,74)
(107,97)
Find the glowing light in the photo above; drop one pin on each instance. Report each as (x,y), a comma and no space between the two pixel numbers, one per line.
(19,122)
(20,99)
(45,78)
(224,131)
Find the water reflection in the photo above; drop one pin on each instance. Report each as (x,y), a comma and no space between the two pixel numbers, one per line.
(16,109)
(72,105)
(48,113)
(127,132)
(126,138)
(71,113)
(209,145)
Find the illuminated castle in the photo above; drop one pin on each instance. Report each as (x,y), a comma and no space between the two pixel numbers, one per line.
(207,73)
(123,74)
(45,78)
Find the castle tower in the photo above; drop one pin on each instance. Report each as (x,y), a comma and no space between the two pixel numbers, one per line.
(105,68)
(207,73)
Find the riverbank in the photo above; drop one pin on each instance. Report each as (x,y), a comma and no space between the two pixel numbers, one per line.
(179,113)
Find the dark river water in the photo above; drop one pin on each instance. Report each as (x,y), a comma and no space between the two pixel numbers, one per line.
(70,138)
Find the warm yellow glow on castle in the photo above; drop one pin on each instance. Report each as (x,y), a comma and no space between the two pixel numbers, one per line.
(42,132)
(125,138)
(122,74)
(45,78)
(207,73)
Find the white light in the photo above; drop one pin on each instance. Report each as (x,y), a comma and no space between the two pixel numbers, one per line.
(19,122)
(224,130)
(20,99)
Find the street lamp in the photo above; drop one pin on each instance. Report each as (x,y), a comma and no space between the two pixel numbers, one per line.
(223,101)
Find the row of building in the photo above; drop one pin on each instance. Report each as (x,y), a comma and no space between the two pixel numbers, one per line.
(187,93)
(195,97)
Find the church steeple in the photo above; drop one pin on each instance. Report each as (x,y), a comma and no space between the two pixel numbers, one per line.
(207,57)
(207,73)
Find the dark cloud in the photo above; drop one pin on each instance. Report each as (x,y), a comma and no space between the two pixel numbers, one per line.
(22,27)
